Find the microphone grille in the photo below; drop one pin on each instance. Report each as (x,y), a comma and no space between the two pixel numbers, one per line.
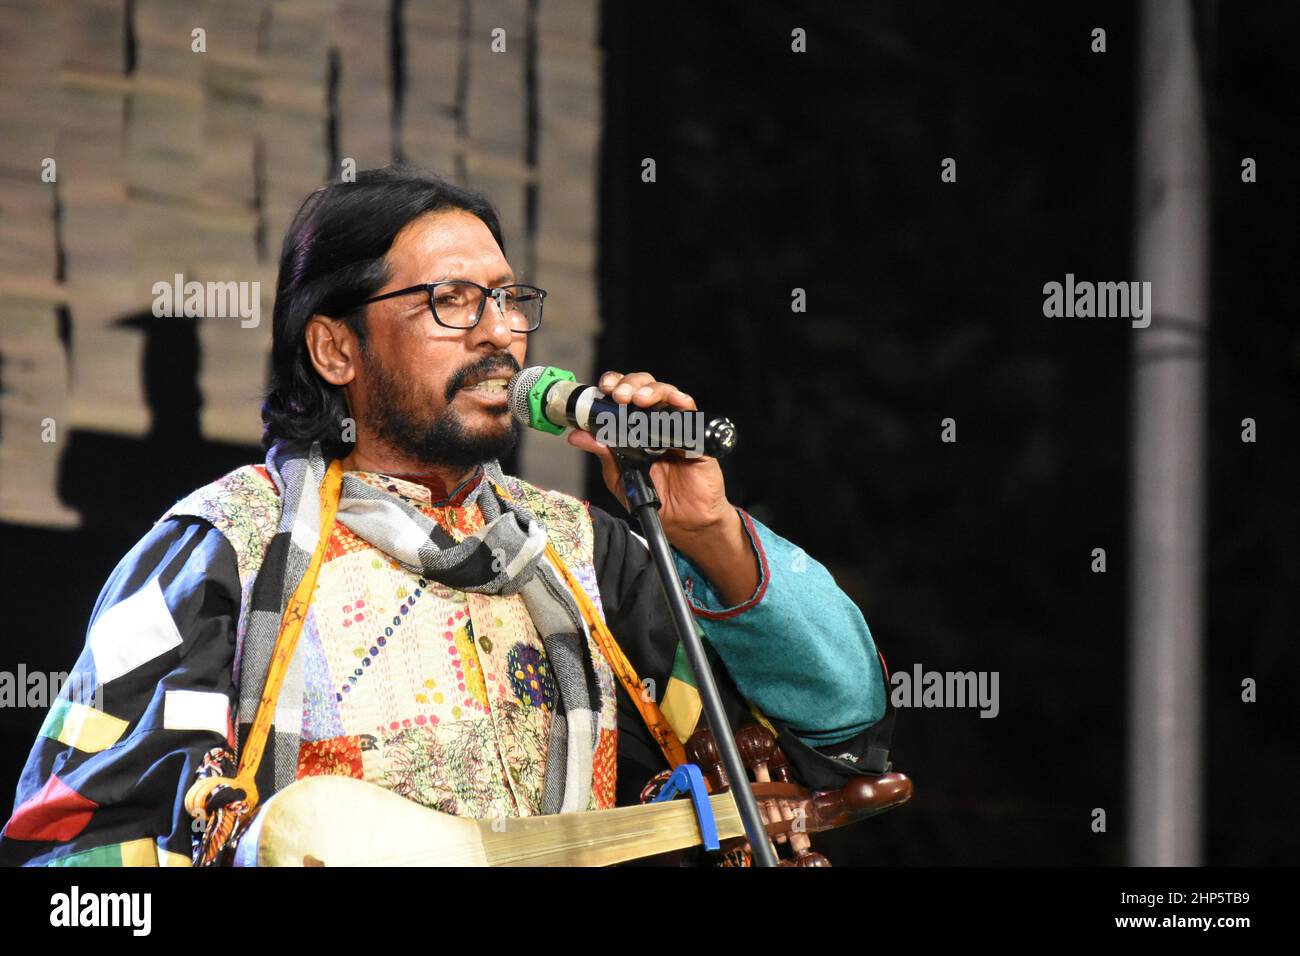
(520,386)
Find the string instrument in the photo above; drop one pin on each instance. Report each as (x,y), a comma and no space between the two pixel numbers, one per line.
(342,821)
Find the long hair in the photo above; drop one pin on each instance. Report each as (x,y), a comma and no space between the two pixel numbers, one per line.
(333,259)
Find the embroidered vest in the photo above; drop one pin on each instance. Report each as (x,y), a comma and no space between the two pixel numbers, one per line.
(441,696)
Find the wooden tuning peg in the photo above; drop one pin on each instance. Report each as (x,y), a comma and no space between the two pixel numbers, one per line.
(703,751)
(779,767)
(811,858)
(756,747)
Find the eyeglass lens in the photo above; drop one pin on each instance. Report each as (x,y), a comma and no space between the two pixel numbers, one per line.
(457,304)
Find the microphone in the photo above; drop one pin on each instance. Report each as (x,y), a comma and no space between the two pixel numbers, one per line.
(551,400)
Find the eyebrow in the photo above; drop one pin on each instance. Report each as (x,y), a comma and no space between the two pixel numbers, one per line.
(506,278)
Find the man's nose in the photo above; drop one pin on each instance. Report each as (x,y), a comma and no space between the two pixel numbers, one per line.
(493,327)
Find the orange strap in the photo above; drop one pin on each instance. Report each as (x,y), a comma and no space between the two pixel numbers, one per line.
(651,715)
(286,641)
(295,613)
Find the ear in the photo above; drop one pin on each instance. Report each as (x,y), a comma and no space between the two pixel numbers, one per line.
(333,348)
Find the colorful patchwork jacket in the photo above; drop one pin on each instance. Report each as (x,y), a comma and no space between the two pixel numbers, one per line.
(438,695)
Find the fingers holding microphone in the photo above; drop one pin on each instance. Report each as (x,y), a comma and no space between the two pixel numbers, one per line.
(641,389)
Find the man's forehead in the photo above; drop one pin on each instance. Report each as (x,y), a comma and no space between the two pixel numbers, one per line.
(464,267)
(449,244)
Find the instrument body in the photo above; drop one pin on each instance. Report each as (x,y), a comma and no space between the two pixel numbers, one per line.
(342,821)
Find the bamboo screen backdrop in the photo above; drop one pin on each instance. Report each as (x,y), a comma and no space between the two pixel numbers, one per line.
(145,139)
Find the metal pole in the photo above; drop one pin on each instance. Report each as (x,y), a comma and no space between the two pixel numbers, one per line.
(1168,448)
(644,503)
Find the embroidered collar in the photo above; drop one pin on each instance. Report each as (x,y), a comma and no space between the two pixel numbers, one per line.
(420,494)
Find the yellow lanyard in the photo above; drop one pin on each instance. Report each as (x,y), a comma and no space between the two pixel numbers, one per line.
(653,717)
(286,642)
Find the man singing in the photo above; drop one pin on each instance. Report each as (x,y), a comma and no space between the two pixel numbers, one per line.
(451,621)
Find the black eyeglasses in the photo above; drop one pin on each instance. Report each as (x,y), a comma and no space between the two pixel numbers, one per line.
(459,303)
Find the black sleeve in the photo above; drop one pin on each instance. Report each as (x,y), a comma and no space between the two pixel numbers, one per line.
(637,613)
(147,702)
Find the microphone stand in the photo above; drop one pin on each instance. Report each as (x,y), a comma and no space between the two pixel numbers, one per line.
(634,471)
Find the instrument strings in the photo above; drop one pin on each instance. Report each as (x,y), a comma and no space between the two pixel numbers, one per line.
(523,848)
(662,827)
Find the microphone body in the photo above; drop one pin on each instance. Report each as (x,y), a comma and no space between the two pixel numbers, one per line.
(551,400)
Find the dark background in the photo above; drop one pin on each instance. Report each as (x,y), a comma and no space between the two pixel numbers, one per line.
(821,171)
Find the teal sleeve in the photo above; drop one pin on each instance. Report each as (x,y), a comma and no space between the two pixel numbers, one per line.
(798,648)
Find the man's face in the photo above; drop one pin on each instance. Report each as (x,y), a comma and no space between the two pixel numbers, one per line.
(414,386)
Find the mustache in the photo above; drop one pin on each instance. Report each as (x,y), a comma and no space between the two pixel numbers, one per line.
(500,362)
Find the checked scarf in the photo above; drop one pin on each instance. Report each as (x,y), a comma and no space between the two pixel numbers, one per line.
(506,557)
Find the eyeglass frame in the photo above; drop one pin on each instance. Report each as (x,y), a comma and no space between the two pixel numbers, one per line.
(428,287)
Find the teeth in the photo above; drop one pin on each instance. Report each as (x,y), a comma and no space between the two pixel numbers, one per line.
(489,385)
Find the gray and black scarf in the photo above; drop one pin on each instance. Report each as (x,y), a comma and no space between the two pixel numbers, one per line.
(506,557)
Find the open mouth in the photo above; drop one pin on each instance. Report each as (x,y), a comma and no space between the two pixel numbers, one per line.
(488,386)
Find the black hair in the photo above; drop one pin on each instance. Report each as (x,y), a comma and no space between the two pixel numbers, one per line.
(331,262)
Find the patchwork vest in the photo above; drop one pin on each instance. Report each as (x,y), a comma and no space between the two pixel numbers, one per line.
(441,696)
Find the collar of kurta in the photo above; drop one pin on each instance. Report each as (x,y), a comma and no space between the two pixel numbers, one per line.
(426,492)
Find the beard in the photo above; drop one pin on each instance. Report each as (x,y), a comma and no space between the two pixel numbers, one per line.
(399,416)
